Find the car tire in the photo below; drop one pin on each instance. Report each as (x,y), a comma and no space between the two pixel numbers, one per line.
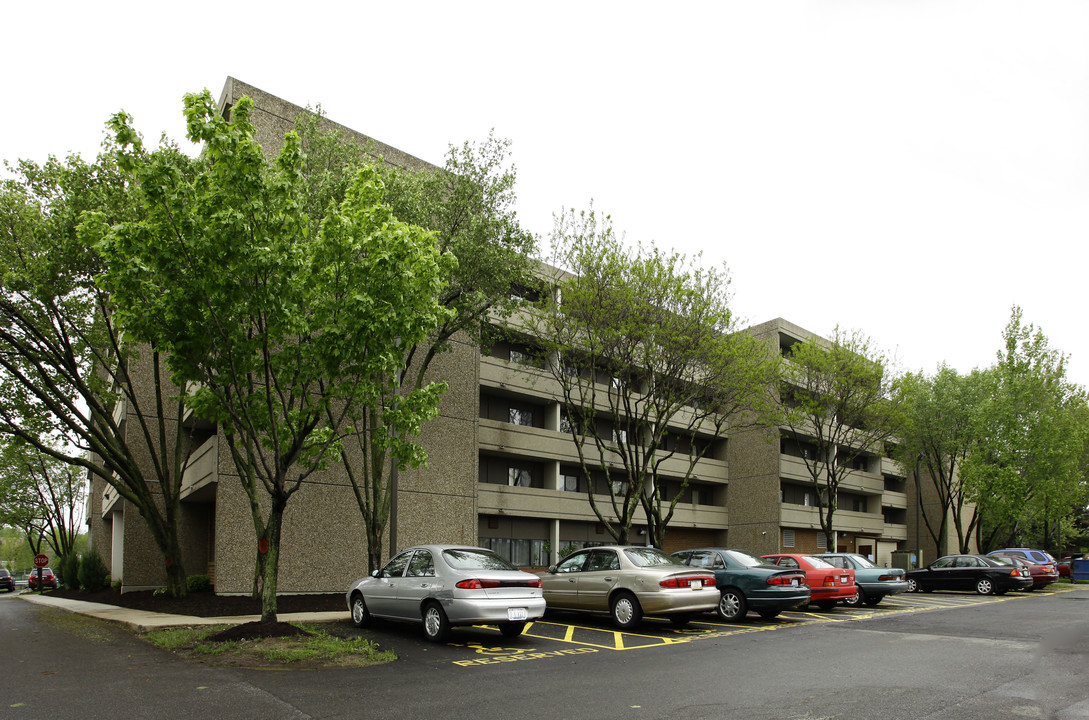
(913,585)
(767,614)
(984,587)
(681,620)
(732,605)
(826,605)
(361,616)
(436,625)
(512,629)
(625,611)
(855,600)
(872,600)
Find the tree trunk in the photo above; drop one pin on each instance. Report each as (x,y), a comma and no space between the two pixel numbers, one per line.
(269,560)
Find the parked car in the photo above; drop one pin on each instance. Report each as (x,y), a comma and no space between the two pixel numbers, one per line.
(874,582)
(982,574)
(1043,574)
(1036,556)
(49,580)
(827,583)
(442,586)
(746,582)
(628,581)
(6,580)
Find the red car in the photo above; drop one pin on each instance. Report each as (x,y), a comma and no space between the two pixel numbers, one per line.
(827,583)
(49,580)
(1043,574)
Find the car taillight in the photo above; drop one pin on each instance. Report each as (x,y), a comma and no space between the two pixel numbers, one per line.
(477,584)
(786,580)
(686,581)
(891,577)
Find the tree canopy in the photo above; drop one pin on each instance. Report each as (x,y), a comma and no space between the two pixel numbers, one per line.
(281,333)
(651,366)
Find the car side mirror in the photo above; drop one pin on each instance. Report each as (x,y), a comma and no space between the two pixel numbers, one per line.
(552,569)
(374,573)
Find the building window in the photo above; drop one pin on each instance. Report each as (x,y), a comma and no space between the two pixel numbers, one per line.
(569,483)
(565,423)
(521,417)
(519,477)
(620,436)
(620,487)
(788,538)
(822,541)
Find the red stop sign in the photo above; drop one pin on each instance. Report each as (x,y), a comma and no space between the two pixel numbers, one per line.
(41,560)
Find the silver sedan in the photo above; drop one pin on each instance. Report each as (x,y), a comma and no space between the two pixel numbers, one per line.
(628,581)
(445,585)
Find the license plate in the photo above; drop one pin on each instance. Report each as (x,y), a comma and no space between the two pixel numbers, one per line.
(514,614)
(794,582)
(696,584)
(843,579)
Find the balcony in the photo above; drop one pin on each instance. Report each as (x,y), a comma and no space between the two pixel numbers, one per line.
(801,516)
(560,505)
(201,473)
(519,440)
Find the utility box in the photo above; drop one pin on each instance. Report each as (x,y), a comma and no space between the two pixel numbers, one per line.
(907,559)
(1079,569)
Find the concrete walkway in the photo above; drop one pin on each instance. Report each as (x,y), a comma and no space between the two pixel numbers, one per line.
(143,620)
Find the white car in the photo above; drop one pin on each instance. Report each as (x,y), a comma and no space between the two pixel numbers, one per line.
(445,585)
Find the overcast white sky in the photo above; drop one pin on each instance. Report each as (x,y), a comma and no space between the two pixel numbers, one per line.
(910,169)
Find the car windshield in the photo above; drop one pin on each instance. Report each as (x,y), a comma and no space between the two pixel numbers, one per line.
(744,559)
(862,561)
(817,563)
(468,559)
(649,557)
(1039,556)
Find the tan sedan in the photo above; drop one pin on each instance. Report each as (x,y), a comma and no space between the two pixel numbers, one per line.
(628,581)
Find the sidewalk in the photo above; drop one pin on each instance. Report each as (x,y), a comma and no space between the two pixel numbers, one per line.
(142,620)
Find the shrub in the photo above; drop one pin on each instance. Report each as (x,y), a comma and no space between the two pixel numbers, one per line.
(93,573)
(67,571)
(198,583)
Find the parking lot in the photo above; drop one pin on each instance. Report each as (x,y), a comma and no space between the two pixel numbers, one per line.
(564,635)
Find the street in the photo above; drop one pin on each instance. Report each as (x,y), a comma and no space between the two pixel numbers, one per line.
(936,655)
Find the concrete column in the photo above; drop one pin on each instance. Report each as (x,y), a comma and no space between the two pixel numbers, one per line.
(554,542)
(552,475)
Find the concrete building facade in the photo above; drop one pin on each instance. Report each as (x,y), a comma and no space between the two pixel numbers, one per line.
(502,473)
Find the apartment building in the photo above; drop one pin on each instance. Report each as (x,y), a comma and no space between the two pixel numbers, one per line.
(503,472)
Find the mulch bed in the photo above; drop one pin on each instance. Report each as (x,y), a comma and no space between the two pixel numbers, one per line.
(206,604)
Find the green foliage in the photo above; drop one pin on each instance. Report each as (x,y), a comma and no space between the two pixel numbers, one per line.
(199,583)
(286,331)
(841,399)
(942,420)
(645,340)
(93,573)
(1027,472)
(67,571)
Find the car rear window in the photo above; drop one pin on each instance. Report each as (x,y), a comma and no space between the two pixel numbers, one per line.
(468,559)
(650,557)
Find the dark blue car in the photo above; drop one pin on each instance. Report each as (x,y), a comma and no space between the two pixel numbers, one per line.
(748,583)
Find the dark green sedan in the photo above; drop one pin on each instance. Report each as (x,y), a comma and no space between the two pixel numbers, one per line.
(748,583)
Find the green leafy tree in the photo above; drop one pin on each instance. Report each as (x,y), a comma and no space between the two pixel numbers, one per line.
(469,206)
(941,424)
(40,494)
(651,367)
(68,383)
(841,405)
(283,336)
(1028,473)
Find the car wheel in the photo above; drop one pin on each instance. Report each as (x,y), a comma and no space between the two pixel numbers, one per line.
(360,614)
(826,604)
(984,587)
(436,626)
(732,606)
(913,585)
(855,600)
(768,614)
(626,611)
(872,600)
(680,621)
(512,629)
